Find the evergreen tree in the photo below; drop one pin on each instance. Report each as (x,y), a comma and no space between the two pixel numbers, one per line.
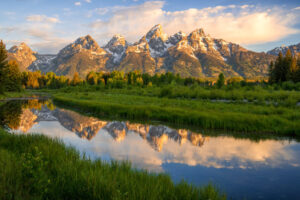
(271,72)
(285,68)
(286,65)
(297,74)
(278,69)
(221,81)
(3,67)
(13,80)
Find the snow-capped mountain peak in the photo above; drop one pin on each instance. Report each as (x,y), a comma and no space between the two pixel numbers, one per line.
(116,40)
(295,49)
(117,47)
(156,32)
(174,39)
(86,43)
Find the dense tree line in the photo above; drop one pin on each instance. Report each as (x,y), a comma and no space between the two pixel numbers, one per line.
(10,76)
(285,68)
(117,79)
(114,79)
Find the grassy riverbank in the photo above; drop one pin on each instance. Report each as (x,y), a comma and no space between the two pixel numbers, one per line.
(8,95)
(233,116)
(36,167)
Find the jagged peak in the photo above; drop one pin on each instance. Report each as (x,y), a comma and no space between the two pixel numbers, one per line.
(174,39)
(156,32)
(180,33)
(118,36)
(156,27)
(200,32)
(86,40)
(21,47)
(85,43)
(117,40)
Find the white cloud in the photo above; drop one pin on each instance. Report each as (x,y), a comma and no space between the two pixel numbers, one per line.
(42,18)
(245,24)
(88,1)
(77,3)
(297,8)
(241,24)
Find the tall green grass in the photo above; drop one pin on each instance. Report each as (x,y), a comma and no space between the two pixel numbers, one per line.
(254,94)
(36,167)
(202,114)
(23,93)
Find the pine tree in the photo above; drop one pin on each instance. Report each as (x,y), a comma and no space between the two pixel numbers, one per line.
(3,66)
(285,67)
(13,80)
(297,74)
(221,81)
(271,72)
(278,68)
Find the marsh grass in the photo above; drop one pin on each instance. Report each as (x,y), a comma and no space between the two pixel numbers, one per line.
(36,167)
(23,93)
(254,94)
(198,113)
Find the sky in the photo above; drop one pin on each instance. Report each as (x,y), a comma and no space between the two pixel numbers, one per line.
(47,26)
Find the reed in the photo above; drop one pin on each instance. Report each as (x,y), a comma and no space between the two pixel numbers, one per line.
(36,167)
(203,114)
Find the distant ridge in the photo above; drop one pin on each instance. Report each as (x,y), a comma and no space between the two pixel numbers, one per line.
(295,49)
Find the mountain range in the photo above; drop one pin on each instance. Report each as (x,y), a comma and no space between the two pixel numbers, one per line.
(295,49)
(196,54)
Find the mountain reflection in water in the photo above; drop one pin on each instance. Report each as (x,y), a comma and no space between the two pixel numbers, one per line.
(146,146)
(243,168)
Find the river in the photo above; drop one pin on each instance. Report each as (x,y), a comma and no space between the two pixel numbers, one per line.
(244,168)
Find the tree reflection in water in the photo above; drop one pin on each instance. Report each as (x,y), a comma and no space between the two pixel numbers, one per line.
(11,111)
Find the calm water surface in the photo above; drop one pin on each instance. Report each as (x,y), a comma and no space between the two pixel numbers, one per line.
(243,168)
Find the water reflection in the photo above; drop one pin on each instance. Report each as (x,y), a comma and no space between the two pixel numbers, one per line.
(146,146)
(242,167)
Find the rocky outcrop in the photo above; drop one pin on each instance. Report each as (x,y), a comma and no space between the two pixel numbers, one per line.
(82,56)
(23,55)
(116,47)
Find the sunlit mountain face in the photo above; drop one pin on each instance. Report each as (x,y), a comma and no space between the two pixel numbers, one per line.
(234,164)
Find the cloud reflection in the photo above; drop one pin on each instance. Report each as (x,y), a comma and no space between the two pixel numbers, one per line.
(149,147)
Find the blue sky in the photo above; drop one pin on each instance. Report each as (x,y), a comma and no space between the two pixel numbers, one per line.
(47,26)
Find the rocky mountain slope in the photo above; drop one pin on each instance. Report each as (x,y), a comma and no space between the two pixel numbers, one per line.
(196,54)
(23,55)
(295,49)
(28,59)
